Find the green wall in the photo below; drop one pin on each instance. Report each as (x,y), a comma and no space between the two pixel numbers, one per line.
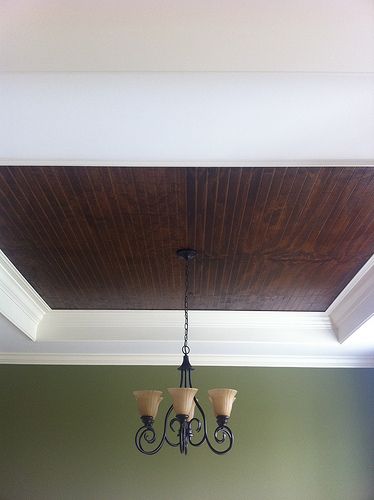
(66,432)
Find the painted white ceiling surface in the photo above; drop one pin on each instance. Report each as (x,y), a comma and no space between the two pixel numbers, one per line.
(169,81)
(170,35)
(185,117)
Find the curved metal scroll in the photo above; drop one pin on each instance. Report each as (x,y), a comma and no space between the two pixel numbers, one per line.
(146,435)
(222,434)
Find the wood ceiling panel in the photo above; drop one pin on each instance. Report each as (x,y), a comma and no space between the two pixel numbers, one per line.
(268,238)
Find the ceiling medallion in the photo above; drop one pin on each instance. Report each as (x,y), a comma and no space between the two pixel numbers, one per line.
(181,427)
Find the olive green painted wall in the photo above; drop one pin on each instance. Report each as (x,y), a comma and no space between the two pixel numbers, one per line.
(66,432)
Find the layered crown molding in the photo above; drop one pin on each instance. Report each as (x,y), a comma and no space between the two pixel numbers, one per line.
(235,338)
(355,304)
(19,302)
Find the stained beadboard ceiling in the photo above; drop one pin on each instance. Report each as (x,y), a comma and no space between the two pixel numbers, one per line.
(270,239)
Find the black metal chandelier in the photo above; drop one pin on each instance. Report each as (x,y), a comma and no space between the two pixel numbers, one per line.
(181,427)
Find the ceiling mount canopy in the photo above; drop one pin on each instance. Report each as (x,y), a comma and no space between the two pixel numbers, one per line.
(184,425)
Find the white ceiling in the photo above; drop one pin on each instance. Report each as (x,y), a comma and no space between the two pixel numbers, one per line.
(175,35)
(224,81)
(186,117)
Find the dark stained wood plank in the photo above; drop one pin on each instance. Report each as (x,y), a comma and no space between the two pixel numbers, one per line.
(268,238)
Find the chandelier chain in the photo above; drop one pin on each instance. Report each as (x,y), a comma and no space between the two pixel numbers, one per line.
(186,348)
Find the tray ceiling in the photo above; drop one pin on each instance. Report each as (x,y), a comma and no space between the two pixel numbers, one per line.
(268,238)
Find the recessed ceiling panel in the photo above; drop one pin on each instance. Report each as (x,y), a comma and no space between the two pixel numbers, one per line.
(268,238)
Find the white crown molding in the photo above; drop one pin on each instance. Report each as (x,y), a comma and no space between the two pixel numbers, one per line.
(207,326)
(218,338)
(302,361)
(19,302)
(52,162)
(355,304)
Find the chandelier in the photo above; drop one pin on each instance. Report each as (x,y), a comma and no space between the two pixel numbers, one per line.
(181,427)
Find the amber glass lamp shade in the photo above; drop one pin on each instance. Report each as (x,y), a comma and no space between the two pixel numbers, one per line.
(148,402)
(191,413)
(222,401)
(182,399)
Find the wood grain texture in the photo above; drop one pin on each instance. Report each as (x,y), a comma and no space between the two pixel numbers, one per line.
(268,238)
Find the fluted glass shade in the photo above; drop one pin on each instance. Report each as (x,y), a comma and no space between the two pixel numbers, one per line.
(222,401)
(148,402)
(191,413)
(182,399)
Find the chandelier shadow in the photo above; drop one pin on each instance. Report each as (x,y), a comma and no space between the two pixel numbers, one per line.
(182,428)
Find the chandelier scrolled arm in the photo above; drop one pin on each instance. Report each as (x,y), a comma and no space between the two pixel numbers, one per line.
(227,436)
(146,435)
(180,419)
